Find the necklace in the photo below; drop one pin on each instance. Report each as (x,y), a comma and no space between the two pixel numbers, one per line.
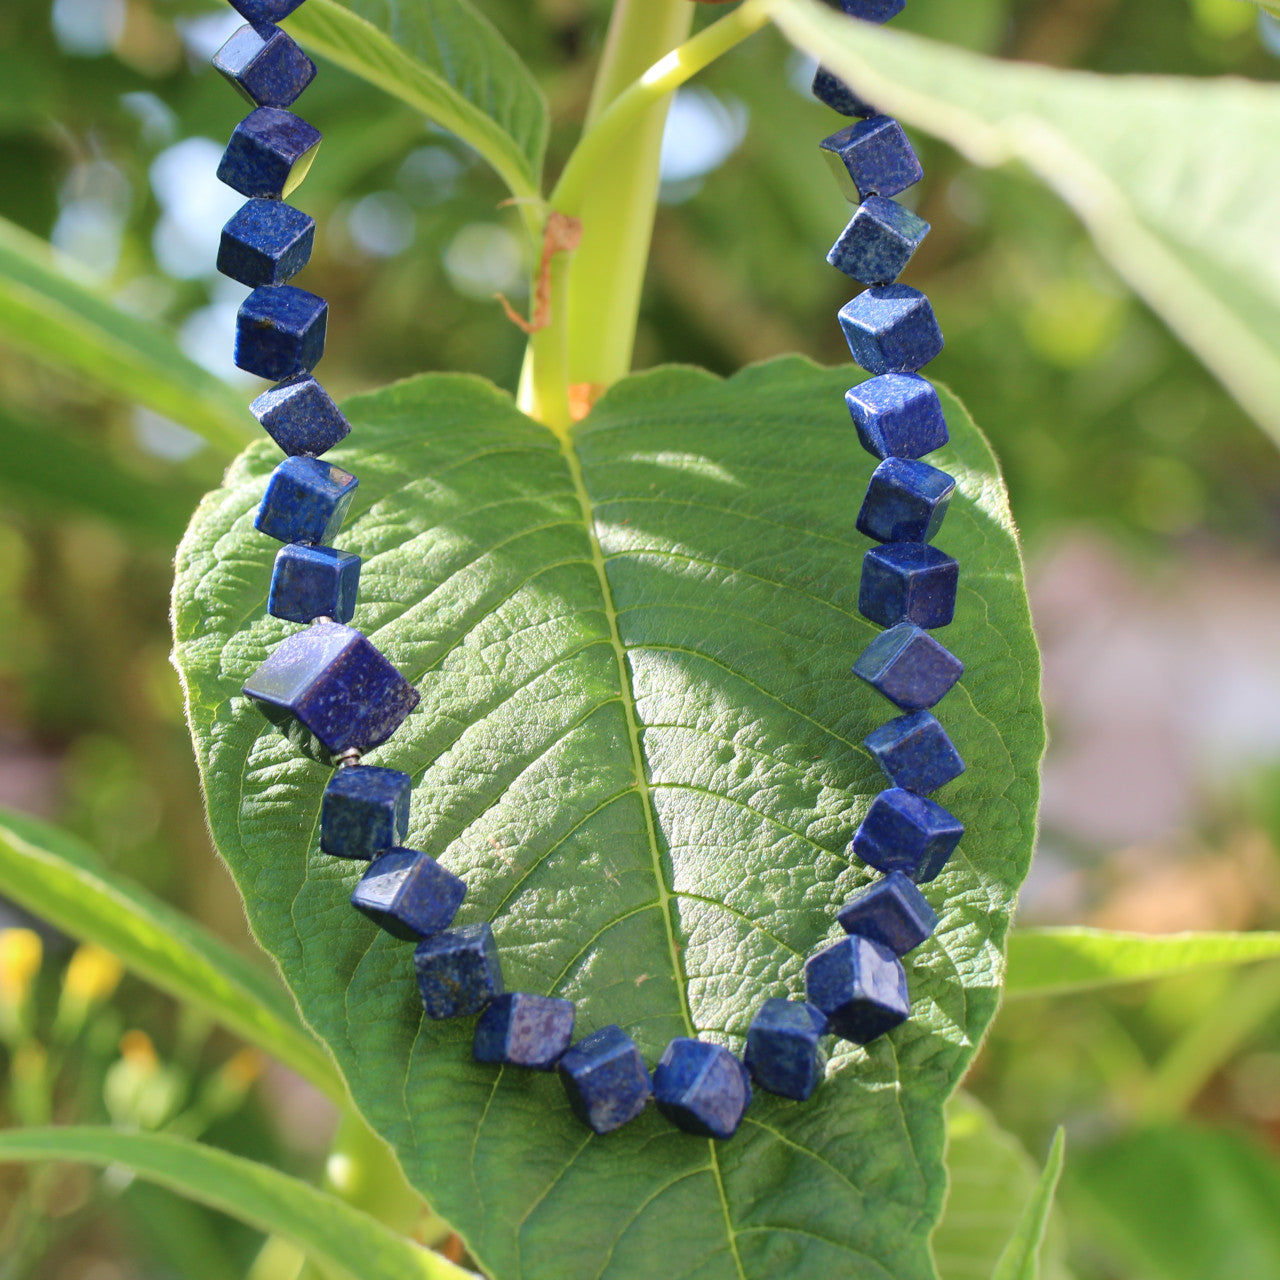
(334,681)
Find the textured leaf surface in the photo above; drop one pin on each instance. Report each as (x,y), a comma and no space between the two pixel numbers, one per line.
(445,59)
(639,742)
(329,1230)
(1169,175)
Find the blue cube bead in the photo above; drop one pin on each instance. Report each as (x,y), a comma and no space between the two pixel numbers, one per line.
(891,329)
(906,501)
(365,811)
(909,667)
(898,415)
(892,912)
(873,10)
(524,1030)
(458,971)
(605,1079)
(269,153)
(701,1088)
(784,1052)
(908,582)
(906,832)
(333,680)
(264,10)
(860,986)
(879,241)
(265,65)
(833,91)
(267,242)
(873,158)
(915,752)
(409,894)
(306,500)
(313,582)
(300,417)
(280,332)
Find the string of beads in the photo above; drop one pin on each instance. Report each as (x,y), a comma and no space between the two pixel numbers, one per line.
(332,679)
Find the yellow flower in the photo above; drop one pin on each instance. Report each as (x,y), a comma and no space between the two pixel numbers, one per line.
(20,954)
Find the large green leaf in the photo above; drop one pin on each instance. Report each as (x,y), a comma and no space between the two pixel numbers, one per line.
(1169,175)
(54,876)
(329,1230)
(1046,962)
(640,743)
(54,312)
(446,60)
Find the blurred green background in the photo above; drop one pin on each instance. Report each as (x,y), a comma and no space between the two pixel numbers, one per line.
(1149,504)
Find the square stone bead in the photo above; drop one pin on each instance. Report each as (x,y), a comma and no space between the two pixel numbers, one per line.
(915,752)
(306,500)
(909,667)
(409,894)
(300,416)
(264,10)
(267,242)
(333,680)
(908,582)
(873,10)
(280,332)
(365,811)
(860,986)
(837,95)
(524,1031)
(265,65)
(891,329)
(906,501)
(879,241)
(906,832)
(269,153)
(313,582)
(898,415)
(872,158)
(892,912)
(784,1052)
(701,1088)
(458,971)
(605,1079)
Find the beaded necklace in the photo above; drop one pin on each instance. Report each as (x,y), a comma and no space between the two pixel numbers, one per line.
(344,691)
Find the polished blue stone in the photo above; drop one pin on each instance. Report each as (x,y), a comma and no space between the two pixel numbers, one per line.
(860,986)
(280,332)
(891,329)
(908,582)
(605,1079)
(833,91)
(872,158)
(333,680)
(365,811)
(898,415)
(300,417)
(909,667)
(267,242)
(873,10)
(784,1050)
(906,501)
(269,153)
(524,1030)
(409,894)
(458,971)
(879,241)
(892,912)
(265,65)
(306,500)
(915,752)
(264,10)
(313,582)
(906,832)
(701,1088)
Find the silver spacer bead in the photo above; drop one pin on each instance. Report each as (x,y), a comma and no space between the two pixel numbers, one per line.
(349,757)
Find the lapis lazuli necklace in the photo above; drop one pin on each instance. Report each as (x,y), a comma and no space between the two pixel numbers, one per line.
(331,678)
